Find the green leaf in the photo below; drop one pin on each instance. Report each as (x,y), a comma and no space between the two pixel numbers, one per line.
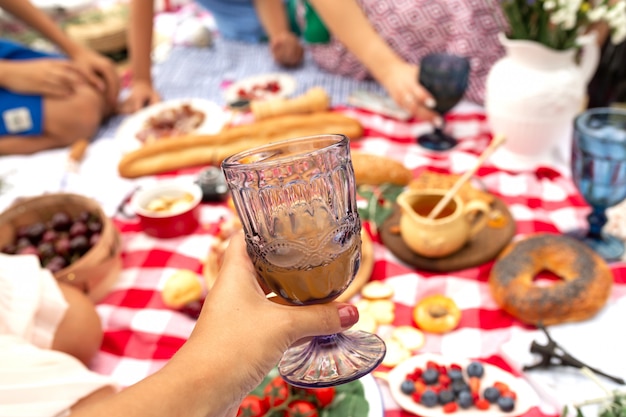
(379,200)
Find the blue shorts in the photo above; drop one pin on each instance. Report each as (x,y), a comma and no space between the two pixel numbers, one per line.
(20,114)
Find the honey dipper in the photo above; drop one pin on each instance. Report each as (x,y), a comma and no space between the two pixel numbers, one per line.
(495,143)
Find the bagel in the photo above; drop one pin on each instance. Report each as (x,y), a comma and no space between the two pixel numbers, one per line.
(585,286)
(437,314)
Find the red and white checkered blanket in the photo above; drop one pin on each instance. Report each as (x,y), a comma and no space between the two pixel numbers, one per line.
(141,333)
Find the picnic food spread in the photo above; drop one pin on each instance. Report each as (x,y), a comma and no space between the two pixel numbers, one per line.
(195,150)
(167,123)
(584,289)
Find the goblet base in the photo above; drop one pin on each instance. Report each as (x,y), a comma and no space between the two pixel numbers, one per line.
(609,247)
(437,141)
(332,360)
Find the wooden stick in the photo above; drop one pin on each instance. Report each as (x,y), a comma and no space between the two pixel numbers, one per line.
(495,143)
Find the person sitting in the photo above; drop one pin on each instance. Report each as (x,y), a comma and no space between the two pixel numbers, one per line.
(49,101)
(251,21)
(386,41)
(208,376)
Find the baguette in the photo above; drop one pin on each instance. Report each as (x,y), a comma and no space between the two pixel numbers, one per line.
(195,150)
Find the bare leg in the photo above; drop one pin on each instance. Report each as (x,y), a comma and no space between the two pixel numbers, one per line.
(65,122)
(80,332)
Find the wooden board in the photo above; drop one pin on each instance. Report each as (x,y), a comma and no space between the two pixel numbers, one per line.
(485,246)
(365,271)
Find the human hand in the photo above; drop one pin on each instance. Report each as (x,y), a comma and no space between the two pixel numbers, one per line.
(99,71)
(46,77)
(246,333)
(286,49)
(401,82)
(141,95)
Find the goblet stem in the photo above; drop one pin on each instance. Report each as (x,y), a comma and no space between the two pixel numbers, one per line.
(437,140)
(608,247)
(332,360)
(597,219)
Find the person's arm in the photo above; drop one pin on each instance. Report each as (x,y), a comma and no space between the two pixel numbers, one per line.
(284,45)
(96,69)
(38,20)
(239,337)
(141,26)
(349,24)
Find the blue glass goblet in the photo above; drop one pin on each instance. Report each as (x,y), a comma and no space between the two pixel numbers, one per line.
(446,77)
(599,172)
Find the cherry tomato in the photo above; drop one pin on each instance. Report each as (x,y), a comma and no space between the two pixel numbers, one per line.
(252,406)
(276,392)
(323,396)
(301,408)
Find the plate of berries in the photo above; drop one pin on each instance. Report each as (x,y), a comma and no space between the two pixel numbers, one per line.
(432,385)
(260,87)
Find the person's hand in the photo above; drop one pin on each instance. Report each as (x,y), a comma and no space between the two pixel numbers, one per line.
(401,82)
(100,72)
(141,95)
(286,49)
(46,77)
(240,329)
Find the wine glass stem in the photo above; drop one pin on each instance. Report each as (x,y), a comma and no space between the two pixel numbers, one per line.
(597,219)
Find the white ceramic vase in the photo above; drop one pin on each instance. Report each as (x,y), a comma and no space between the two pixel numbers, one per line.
(532,96)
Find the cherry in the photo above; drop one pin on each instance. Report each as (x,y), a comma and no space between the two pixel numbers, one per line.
(50,235)
(61,221)
(79,244)
(28,250)
(77,229)
(62,246)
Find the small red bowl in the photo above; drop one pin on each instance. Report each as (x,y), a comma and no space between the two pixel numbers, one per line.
(168,209)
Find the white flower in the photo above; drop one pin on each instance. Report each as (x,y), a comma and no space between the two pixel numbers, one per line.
(549,5)
(597,14)
(619,34)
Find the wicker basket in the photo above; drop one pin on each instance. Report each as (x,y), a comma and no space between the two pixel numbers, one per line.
(99,268)
(104,30)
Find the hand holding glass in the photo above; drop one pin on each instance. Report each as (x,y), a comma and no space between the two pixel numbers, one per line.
(446,77)
(297,204)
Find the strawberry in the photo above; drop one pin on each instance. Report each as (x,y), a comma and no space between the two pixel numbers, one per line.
(482,404)
(501,386)
(416,396)
(450,407)
(444,380)
(456,367)
(419,386)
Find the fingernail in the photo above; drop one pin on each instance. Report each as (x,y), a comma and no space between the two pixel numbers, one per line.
(438,122)
(348,315)
(430,103)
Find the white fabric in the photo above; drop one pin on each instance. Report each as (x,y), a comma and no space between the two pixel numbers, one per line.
(31,303)
(588,341)
(36,381)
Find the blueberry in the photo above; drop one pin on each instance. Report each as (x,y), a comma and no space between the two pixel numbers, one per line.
(429,398)
(506,404)
(475,369)
(407,387)
(458,386)
(446,396)
(455,374)
(491,394)
(430,376)
(465,399)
